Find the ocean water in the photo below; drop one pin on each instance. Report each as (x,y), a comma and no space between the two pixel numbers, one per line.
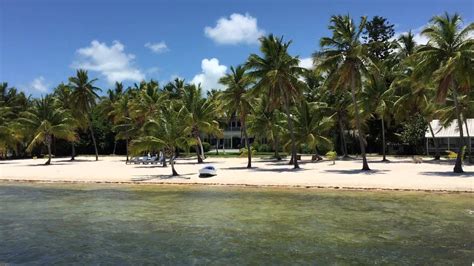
(112,224)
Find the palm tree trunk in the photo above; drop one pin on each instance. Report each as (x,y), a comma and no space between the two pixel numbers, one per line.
(217,146)
(292,133)
(73,151)
(277,147)
(365,165)
(93,140)
(48,144)
(469,141)
(343,138)
(458,165)
(201,148)
(435,141)
(164,158)
(384,159)
(115,146)
(126,149)
(173,171)
(247,143)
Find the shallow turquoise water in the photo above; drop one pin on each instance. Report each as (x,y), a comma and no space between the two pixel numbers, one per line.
(108,224)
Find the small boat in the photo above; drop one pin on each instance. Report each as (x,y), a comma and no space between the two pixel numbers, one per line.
(207,171)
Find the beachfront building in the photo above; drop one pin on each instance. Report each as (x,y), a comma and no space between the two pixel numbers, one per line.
(448,137)
(232,136)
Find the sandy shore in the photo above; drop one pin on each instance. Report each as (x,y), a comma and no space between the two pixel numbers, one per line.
(400,174)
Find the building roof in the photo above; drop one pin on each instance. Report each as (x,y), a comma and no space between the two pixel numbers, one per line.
(450,131)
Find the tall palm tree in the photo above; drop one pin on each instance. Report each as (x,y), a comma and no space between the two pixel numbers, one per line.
(46,121)
(447,114)
(84,95)
(12,102)
(175,88)
(312,125)
(168,132)
(448,59)
(125,126)
(237,101)
(63,95)
(267,123)
(220,114)
(346,60)
(277,74)
(406,45)
(106,105)
(202,112)
(379,101)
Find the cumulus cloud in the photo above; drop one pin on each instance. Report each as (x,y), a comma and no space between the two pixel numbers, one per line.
(110,61)
(212,71)
(306,63)
(236,29)
(418,38)
(39,84)
(158,48)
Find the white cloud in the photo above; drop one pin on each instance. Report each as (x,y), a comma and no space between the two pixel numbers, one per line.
(158,48)
(210,75)
(152,70)
(306,63)
(236,29)
(418,38)
(39,84)
(110,61)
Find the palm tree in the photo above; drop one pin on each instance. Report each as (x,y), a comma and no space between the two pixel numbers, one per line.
(168,132)
(220,114)
(447,114)
(175,88)
(346,60)
(63,96)
(267,123)
(237,101)
(277,74)
(125,126)
(406,45)
(378,100)
(312,125)
(448,59)
(46,121)
(84,95)
(202,112)
(106,105)
(8,137)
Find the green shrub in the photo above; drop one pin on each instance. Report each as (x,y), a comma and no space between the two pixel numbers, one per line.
(263,148)
(452,155)
(206,146)
(243,152)
(332,155)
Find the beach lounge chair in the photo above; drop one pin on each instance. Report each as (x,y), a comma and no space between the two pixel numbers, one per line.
(151,160)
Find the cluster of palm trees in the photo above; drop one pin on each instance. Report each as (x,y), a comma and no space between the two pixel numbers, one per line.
(272,97)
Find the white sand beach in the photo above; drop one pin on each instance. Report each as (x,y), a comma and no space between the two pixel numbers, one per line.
(399,174)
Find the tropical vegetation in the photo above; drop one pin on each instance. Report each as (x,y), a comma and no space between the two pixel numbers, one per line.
(368,91)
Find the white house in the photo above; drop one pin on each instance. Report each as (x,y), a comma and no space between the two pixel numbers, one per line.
(448,137)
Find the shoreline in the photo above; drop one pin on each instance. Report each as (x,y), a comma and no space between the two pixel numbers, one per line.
(398,175)
(314,187)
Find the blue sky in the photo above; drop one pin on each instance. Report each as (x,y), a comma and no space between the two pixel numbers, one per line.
(43,41)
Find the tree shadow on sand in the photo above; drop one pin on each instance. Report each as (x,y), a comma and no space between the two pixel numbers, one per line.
(357,171)
(140,178)
(257,169)
(448,174)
